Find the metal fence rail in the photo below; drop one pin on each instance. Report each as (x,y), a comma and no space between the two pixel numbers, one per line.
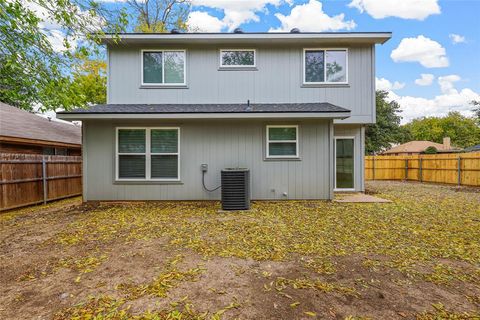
(460,169)
(30,179)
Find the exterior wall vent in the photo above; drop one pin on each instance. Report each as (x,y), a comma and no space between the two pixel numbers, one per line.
(235,189)
(238,30)
(295,30)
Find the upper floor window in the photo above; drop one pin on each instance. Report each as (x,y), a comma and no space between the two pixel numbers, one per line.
(163,67)
(231,58)
(325,66)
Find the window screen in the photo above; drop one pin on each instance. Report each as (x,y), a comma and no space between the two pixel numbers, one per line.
(325,66)
(163,67)
(158,162)
(282,141)
(232,58)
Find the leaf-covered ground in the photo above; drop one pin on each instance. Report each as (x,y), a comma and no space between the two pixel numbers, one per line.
(415,258)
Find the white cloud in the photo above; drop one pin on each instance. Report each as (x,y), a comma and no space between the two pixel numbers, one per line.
(426,51)
(311,17)
(237,12)
(386,85)
(200,21)
(406,9)
(456,38)
(57,40)
(450,99)
(426,79)
(446,83)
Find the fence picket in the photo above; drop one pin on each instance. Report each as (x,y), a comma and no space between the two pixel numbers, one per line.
(27,179)
(461,169)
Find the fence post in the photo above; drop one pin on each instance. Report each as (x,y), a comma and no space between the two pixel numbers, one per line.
(406,169)
(373,167)
(44,179)
(420,177)
(459,163)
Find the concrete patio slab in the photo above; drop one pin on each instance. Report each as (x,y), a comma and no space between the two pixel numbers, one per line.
(359,198)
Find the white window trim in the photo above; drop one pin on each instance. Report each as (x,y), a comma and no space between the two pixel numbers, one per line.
(237,66)
(163,68)
(325,69)
(335,163)
(267,139)
(147,154)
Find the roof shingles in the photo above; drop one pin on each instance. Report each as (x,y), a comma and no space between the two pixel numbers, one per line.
(322,107)
(19,123)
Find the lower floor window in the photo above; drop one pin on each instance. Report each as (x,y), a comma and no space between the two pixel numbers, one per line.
(282,141)
(148,153)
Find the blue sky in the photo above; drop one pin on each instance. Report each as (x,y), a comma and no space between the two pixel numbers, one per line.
(451,68)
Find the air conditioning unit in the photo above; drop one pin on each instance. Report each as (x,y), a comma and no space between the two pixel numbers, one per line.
(235,189)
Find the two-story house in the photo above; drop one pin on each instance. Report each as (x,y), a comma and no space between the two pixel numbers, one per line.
(290,107)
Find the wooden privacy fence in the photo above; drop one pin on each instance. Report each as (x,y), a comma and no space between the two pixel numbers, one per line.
(459,168)
(27,179)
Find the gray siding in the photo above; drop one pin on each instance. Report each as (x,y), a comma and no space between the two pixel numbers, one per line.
(358,132)
(278,78)
(219,144)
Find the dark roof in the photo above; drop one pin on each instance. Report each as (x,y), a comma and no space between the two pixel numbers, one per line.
(473,148)
(19,123)
(321,107)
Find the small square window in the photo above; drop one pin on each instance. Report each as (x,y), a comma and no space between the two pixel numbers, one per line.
(282,141)
(231,58)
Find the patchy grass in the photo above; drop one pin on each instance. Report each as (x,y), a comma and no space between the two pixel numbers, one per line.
(417,257)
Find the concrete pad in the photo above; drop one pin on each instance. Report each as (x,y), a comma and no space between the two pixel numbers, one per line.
(359,198)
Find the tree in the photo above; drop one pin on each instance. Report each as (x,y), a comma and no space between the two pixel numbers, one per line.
(32,71)
(157,16)
(463,131)
(431,150)
(89,82)
(387,130)
(476,109)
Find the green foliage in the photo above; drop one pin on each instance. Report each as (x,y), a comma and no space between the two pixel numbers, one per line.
(32,71)
(463,131)
(431,150)
(89,82)
(387,130)
(476,109)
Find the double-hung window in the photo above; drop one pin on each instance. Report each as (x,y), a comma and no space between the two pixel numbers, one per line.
(235,58)
(282,141)
(148,154)
(163,67)
(325,66)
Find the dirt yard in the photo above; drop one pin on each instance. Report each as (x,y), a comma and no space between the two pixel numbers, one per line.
(415,258)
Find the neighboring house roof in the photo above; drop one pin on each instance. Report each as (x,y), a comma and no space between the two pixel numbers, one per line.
(417,147)
(473,148)
(22,125)
(245,110)
(251,37)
